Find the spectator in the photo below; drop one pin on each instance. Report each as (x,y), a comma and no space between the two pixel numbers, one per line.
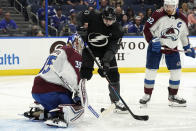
(148,14)
(103,4)
(7,23)
(125,23)
(190,4)
(59,20)
(130,14)
(91,3)
(51,12)
(141,14)
(72,12)
(185,9)
(116,3)
(34,31)
(137,28)
(119,14)
(41,15)
(75,2)
(72,25)
(29,4)
(192,17)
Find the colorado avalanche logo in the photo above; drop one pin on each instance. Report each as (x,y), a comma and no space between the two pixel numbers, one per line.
(97,39)
(170,33)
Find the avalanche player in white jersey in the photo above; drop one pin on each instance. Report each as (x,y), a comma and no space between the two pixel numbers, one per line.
(60,103)
(166,28)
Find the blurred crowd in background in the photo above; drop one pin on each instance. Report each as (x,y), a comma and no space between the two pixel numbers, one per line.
(27,17)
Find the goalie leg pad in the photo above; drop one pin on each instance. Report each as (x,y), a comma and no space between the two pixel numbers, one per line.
(66,115)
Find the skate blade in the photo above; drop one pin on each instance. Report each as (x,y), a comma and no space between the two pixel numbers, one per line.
(174,104)
(60,124)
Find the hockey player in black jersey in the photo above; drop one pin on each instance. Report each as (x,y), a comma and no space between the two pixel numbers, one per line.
(103,37)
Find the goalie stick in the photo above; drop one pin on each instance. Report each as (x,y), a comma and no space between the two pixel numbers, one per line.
(137,117)
(69,86)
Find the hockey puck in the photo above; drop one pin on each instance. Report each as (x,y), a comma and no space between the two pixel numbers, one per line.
(102,109)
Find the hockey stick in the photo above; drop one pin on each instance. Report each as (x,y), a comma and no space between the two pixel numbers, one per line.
(69,86)
(175,50)
(137,117)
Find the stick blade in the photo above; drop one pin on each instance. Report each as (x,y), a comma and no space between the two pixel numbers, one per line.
(142,118)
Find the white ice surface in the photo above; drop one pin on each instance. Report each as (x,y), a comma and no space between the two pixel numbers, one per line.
(15,98)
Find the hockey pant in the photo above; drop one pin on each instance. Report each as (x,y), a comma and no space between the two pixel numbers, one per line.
(113,74)
(173,63)
(51,100)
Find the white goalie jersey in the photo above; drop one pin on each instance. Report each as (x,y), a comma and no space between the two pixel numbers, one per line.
(65,63)
(170,29)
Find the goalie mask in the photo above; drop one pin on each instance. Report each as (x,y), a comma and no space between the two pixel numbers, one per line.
(109,16)
(170,6)
(76,42)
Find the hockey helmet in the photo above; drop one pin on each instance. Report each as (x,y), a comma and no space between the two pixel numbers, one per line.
(170,5)
(109,15)
(76,42)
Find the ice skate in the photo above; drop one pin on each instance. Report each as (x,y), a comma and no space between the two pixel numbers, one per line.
(120,108)
(145,99)
(176,101)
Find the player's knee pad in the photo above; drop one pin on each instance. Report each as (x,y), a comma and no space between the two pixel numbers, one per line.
(150,74)
(86,73)
(175,74)
(71,113)
(113,75)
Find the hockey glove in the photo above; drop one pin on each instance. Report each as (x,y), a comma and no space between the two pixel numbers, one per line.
(102,72)
(189,51)
(156,44)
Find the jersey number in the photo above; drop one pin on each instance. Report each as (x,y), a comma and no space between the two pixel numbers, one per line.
(47,64)
(78,64)
(150,20)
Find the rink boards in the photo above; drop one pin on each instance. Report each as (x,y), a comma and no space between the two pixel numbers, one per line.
(26,56)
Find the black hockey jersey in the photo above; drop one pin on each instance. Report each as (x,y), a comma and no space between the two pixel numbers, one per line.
(101,38)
